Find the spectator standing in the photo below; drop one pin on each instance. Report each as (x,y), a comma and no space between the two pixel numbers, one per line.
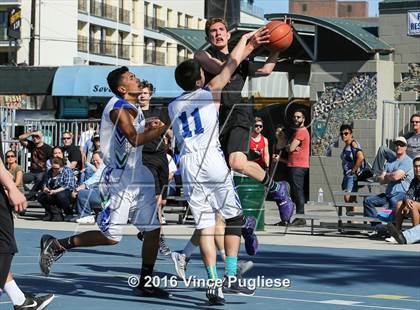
(411,203)
(397,175)
(14,169)
(87,194)
(59,182)
(352,162)
(85,140)
(258,145)
(298,164)
(280,155)
(72,152)
(40,153)
(385,154)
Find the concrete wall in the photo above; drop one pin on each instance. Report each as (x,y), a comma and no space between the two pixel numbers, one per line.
(393,30)
(326,172)
(194,8)
(313,7)
(351,9)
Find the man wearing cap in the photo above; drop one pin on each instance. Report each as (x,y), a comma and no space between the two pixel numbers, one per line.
(413,147)
(397,175)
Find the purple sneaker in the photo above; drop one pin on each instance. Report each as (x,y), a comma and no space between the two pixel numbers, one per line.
(248,232)
(286,208)
(282,193)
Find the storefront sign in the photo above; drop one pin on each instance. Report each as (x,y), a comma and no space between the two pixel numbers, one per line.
(413,18)
(15,22)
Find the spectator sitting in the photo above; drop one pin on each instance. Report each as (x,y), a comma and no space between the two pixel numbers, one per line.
(57,153)
(40,153)
(87,194)
(409,236)
(353,162)
(89,166)
(14,169)
(397,175)
(411,203)
(413,147)
(258,145)
(59,182)
(72,152)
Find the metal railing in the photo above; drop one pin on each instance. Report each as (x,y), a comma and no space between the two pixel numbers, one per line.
(54,129)
(102,47)
(124,51)
(7,123)
(124,16)
(82,6)
(100,9)
(82,43)
(154,57)
(153,23)
(251,9)
(396,119)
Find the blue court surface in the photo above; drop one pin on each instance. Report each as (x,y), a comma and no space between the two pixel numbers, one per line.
(320,278)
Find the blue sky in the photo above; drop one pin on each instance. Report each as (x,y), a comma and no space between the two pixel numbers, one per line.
(282,6)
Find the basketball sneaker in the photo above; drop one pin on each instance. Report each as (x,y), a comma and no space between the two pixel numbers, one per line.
(244,266)
(215,294)
(35,303)
(248,232)
(237,286)
(281,193)
(51,251)
(163,247)
(180,261)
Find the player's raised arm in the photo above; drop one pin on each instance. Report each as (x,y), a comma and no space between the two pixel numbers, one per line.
(124,119)
(245,46)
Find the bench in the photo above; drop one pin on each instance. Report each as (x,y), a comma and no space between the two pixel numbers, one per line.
(177,205)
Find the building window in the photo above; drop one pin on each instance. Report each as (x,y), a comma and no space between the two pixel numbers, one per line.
(349,8)
(304,7)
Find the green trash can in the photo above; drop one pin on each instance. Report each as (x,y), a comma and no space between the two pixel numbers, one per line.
(251,193)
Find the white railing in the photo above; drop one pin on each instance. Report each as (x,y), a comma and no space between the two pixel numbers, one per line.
(396,119)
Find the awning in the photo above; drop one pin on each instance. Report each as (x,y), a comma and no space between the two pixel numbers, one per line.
(26,80)
(90,81)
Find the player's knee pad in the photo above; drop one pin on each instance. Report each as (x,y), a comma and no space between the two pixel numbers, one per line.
(234,225)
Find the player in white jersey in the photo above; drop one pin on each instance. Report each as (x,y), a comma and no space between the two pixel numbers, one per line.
(125,182)
(207,182)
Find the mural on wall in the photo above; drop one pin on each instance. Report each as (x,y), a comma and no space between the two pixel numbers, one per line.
(410,81)
(340,103)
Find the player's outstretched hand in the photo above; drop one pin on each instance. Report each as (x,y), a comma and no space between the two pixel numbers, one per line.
(260,37)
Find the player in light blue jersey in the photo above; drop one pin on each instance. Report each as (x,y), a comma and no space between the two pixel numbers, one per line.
(125,182)
(207,181)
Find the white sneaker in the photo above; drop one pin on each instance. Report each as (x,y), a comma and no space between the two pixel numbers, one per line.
(180,261)
(244,266)
(87,220)
(391,240)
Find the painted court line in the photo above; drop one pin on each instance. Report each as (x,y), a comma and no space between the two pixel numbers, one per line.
(341,302)
(321,302)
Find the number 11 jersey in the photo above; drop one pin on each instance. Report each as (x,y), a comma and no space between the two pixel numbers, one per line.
(195,121)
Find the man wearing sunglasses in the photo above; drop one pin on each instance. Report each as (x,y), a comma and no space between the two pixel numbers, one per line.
(258,145)
(385,154)
(397,175)
(298,164)
(71,152)
(40,152)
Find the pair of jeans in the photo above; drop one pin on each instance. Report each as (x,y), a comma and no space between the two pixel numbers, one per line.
(61,200)
(412,235)
(384,154)
(88,199)
(33,177)
(297,187)
(371,203)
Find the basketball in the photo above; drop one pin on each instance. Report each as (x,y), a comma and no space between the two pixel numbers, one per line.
(281,35)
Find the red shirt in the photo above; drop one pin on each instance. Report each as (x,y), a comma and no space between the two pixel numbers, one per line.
(300,157)
(258,148)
